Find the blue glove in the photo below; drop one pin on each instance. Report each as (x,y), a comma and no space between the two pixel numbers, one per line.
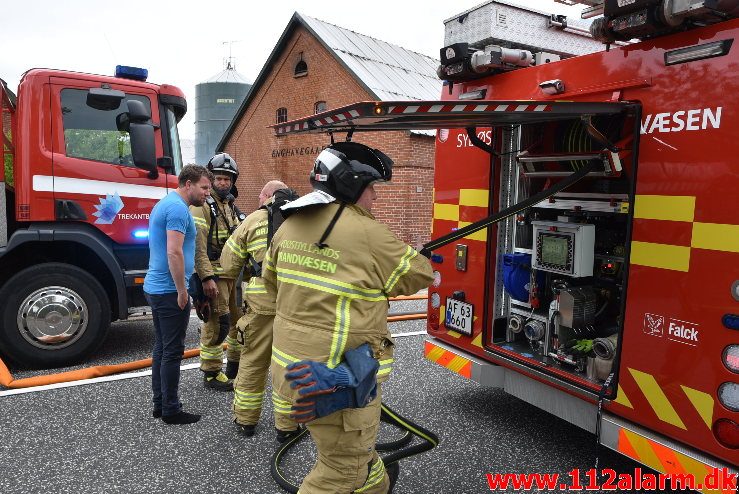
(307,409)
(353,384)
(315,378)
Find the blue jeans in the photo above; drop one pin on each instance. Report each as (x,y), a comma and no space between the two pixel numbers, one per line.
(170,326)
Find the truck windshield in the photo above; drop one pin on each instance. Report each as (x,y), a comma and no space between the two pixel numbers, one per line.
(174,139)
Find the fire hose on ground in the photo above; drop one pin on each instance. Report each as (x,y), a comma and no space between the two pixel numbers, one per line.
(398,448)
(7,381)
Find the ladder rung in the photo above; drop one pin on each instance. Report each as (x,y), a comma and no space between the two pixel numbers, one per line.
(525,157)
(563,174)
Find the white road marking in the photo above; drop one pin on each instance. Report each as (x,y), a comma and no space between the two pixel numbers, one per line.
(412,333)
(130,375)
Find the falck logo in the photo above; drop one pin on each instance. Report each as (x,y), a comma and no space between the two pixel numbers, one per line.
(108,208)
(654,324)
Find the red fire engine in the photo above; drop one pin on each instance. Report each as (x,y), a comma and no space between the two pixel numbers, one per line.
(586,248)
(90,155)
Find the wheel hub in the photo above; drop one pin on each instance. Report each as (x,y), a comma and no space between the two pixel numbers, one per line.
(52,317)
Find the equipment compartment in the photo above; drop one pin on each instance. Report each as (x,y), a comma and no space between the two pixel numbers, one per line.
(561,290)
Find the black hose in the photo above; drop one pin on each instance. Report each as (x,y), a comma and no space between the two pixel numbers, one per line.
(397,444)
(387,415)
(600,311)
(274,466)
(428,438)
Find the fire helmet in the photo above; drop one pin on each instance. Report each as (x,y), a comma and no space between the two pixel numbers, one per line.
(345,169)
(224,163)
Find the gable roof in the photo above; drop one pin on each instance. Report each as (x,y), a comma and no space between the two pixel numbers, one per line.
(387,72)
(11,94)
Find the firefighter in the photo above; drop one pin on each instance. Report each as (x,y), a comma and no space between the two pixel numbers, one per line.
(216,220)
(246,248)
(331,268)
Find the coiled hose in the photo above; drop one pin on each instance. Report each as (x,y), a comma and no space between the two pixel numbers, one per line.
(429,440)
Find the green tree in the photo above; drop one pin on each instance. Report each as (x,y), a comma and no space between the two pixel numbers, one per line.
(8,165)
(110,146)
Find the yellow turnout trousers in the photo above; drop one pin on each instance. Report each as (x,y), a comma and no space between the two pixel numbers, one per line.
(256,335)
(347,460)
(212,333)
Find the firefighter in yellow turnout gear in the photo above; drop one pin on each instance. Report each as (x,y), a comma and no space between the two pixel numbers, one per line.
(246,248)
(331,268)
(215,221)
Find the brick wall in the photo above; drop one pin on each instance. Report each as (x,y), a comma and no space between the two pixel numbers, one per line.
(6,122)
(404,204)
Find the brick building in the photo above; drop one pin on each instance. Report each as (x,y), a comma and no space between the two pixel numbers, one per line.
(316,66)
(5,115)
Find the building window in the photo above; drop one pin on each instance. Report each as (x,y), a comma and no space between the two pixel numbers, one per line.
(281,115)
(319,107)
(301,68)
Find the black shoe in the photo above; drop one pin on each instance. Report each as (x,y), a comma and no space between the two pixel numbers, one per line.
(217,380)
(156,413)
(246,430)
(393,471)
(181,418)
(232,368)
(283,436)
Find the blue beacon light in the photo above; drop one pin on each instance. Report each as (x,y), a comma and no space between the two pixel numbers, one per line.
(135,73)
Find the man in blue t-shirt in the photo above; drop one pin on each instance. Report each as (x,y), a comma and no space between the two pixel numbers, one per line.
(171,262)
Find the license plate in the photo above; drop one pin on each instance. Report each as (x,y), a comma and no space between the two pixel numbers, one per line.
(458,316)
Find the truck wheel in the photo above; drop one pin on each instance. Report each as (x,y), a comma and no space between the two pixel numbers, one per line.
(53,315)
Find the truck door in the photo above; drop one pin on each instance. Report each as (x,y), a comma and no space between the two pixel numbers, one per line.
(531,244)
(94,176)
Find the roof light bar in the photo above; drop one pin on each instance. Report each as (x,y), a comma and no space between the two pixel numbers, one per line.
(134,73)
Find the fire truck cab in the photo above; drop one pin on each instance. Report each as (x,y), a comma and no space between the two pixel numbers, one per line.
(87,157)
(586,236)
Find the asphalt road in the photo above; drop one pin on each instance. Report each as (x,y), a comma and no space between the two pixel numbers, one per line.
(101,438)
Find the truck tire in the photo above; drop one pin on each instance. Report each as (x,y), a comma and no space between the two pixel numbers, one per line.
(53,315)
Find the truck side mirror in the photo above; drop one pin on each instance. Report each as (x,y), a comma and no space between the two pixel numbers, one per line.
(141,131)
(166,163)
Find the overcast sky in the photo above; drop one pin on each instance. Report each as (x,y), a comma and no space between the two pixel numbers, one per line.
(182,43)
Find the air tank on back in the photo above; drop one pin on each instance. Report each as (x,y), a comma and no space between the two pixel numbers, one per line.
(216,102)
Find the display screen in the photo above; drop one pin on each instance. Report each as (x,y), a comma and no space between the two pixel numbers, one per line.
(554,250)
